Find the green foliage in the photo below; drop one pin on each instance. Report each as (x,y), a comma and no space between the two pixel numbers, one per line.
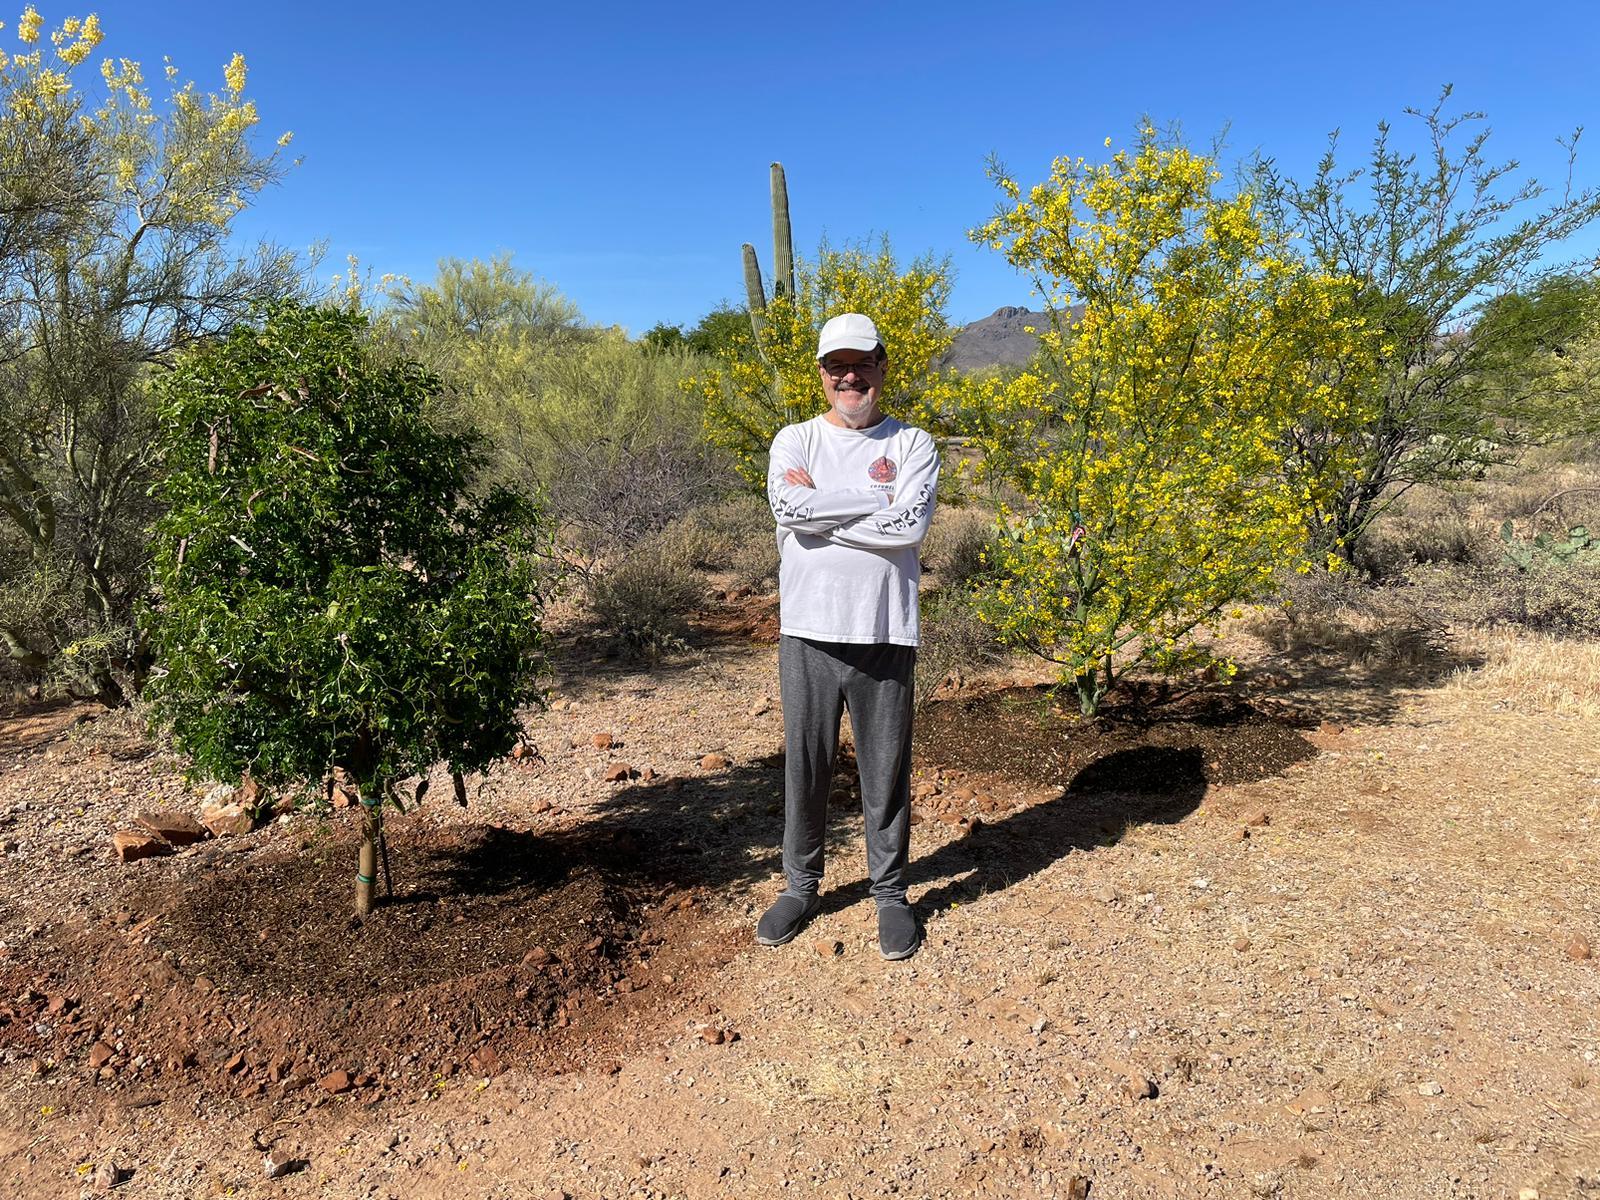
(604,429)
(1147,449)
(330,593)
(662,338)
(722,330)
(1432,237)
(117,206)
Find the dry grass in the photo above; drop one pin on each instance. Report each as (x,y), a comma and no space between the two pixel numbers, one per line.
(1533,673)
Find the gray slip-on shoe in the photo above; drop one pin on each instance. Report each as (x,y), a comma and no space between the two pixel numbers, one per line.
(787,917)
(898,933)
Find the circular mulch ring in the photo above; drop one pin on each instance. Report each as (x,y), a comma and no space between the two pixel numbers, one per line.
(247,974)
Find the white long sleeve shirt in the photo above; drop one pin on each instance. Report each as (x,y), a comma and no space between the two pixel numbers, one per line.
(848,547)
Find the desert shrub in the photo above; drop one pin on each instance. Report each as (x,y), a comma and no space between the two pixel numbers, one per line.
(960,545)
(1338,613)
(955,641)
(733,535)
(643,599)
(1430,528)
(1556,598)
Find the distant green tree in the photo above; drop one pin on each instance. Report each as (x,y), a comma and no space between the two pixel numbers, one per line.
(662,338)
(330,592)
(1430,238)
(721,330)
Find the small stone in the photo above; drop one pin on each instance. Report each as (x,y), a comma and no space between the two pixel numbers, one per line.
(1258,819)
(1330,727)
(618,773)
(1431,1087)
(1077,1188)
(1241,943)
(130,845)
(761,707)
(99,1055)
(485,1061)
(828,948)
(901,1038)
(713,762)
(108,1175)
(1106,894)
(602,741)
(1578,949)
(177,828)
(1528,1194)
(713,1036)
(335,1082)
(537,957)
(1241,834)
(277,1163)
(1140,1087)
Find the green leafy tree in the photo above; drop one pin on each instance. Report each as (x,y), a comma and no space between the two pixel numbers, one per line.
(116,213)
(1146,448)
(330,593)
(1432,237)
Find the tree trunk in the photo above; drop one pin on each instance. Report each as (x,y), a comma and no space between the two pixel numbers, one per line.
(371,836)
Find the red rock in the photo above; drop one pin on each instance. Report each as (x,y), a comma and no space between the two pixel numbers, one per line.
(335,1082)
(131,845)
(57,1004)
(714,762)
(99,1055)
(486,1062)
(1578,949)
(107,1176)
(1241,943)
(602,741)
(1241,834)
(234,1064)
(828,948)
(178,828)
(1258,818)
(277,1163)
(227,820)
(537,957)
(618,773)
(713,1035)
(901,1039)
(1138,1087)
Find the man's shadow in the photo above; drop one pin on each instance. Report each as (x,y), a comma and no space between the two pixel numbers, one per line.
(1138,786)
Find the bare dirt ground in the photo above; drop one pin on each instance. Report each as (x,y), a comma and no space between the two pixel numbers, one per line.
(1318,934)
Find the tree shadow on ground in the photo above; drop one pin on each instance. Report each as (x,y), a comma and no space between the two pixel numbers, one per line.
(1349,673)
(1143,785)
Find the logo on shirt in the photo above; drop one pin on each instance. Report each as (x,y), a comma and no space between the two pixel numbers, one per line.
(883,470)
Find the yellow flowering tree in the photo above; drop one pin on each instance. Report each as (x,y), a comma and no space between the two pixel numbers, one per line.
(116,206)
(1146,449)
(765,376)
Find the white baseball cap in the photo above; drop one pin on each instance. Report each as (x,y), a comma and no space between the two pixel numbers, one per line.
(848,331)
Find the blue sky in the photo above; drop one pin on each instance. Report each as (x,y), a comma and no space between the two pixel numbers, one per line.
(620,150)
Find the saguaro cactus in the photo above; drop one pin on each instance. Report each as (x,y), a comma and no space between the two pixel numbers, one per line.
(782,258)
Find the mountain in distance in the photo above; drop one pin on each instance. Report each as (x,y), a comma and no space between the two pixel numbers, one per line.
(999,340)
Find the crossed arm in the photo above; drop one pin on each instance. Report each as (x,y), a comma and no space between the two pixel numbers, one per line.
(859,517)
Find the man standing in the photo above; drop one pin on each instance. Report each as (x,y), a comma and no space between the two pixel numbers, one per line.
(852,491)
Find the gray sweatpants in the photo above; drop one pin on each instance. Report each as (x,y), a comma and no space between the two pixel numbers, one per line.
(818,680)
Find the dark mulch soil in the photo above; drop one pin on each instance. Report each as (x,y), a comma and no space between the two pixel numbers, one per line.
(248,976)
(1137,745)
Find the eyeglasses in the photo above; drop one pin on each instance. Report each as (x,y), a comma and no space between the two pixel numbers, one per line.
(838,370)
